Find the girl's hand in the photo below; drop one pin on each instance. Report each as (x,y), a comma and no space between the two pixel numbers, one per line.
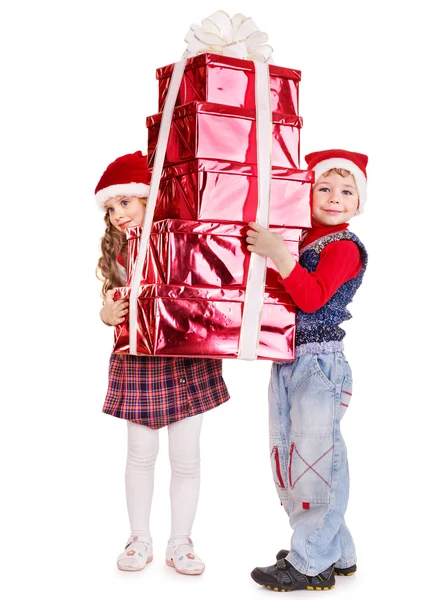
(113,312)
(266,243)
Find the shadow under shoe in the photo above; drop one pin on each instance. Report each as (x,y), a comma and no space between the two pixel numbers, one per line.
(283,577)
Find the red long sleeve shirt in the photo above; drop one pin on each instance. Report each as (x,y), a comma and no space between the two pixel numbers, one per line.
(339,262)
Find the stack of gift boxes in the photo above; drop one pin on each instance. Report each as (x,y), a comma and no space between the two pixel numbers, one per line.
(192,291)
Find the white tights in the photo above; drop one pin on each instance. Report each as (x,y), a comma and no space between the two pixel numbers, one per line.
(143,446)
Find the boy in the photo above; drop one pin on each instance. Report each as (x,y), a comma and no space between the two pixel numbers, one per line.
(309,396)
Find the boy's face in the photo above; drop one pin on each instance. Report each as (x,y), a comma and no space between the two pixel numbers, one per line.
(125,211)
(335,199)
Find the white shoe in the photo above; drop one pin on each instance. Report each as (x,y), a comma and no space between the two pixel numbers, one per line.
(180,555)
(136,556)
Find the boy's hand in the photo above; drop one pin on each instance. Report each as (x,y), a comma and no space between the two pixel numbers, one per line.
(113,312)
(266,243)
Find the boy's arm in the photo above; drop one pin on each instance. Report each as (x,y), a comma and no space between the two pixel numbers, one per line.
(339,262)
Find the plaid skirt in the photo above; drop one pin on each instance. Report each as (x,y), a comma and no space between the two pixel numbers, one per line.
(157,390)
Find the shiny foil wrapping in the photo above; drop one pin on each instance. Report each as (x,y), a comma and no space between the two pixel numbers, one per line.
(191,297)
(230,81)
(204,322)
(212,190)
(150,270)
(202,254)
(226,133)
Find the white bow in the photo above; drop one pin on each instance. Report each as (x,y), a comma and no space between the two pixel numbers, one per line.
(238,36)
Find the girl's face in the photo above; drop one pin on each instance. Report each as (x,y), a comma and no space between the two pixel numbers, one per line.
(335,199)
(125,211)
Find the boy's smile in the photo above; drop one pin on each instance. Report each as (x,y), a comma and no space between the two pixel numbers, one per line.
(335,199)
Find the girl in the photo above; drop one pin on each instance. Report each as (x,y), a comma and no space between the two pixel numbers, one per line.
(151,392)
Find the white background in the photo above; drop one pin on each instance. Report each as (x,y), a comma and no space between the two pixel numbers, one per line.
(78,80)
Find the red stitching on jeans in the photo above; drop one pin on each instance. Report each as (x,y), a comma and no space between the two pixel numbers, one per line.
(281,483)
(290,464)
(309,466)
(344,392)
(342,404)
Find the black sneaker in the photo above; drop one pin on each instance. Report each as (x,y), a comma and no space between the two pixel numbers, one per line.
(283,577)
(342,572)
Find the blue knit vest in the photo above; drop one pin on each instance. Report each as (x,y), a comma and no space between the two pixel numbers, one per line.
(319,331)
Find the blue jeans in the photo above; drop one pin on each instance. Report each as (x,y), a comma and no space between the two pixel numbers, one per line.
(307,400)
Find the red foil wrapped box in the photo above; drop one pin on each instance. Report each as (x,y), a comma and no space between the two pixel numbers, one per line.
(226,80)
(212,190)
(204,322)
(150,270)
(202,254)
(226,133)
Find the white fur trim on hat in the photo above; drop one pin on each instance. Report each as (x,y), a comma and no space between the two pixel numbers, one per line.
(140,190)
(349,165)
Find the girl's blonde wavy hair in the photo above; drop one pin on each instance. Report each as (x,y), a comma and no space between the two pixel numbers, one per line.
(112,244)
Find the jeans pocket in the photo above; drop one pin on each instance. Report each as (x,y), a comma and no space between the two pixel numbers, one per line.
(324,364)
(310,469)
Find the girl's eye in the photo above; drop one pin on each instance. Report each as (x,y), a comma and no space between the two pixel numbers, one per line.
(125,202)
(347,192)
(324,189)
(110,210)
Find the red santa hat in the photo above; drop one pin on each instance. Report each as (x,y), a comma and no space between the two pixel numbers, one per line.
(356,163)
(126,176)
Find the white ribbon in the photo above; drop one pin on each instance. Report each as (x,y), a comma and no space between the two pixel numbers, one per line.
(254,293)
(238,37)
(159,159)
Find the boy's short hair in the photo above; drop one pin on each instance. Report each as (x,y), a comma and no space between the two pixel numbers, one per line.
(338,171)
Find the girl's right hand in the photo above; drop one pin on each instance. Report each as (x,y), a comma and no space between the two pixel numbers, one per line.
(113,312)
